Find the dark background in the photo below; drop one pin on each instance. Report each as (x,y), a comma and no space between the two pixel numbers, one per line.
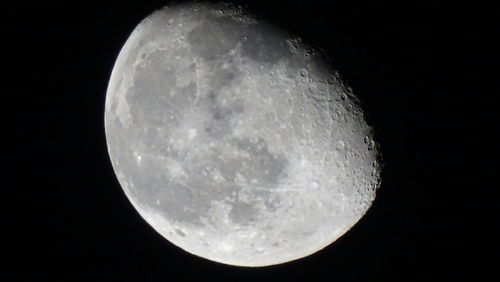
(426,75)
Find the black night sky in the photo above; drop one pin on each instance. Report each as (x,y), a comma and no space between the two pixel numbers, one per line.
(426,75)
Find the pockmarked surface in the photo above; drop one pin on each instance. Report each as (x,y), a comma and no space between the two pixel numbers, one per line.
(235,140)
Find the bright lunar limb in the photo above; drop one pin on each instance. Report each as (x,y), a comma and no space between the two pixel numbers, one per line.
(234,140)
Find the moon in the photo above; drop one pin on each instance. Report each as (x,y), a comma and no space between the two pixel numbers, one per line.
(235,140)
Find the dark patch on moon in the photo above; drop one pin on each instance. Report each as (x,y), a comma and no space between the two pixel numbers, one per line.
(180,232)
(222,77)
(243,213)
(265,46)
(214,37)
(263,166)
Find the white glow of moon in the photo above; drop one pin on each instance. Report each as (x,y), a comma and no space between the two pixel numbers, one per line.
(234,140)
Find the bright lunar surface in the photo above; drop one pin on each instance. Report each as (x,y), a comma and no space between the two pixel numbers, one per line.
(235,140)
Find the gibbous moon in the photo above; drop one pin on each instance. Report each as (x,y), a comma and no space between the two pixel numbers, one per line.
(235,140)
